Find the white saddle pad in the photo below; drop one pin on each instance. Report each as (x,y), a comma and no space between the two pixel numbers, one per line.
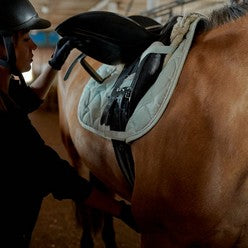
(150,108)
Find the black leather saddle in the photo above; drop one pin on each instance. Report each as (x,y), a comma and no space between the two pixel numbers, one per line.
(109,37)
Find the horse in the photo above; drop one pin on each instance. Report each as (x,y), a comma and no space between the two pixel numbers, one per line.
(191,169)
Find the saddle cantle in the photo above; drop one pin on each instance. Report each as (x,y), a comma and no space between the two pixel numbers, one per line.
(109,37)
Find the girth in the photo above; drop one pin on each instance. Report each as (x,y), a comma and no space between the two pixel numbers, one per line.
(123,102)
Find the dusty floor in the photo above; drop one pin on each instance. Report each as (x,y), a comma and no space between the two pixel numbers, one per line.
(56,226)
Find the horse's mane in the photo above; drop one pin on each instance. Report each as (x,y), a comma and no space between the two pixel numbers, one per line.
(225,14)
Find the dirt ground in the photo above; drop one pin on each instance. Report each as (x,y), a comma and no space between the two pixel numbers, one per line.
(56,226)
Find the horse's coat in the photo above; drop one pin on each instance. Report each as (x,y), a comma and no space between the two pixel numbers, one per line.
(191,185)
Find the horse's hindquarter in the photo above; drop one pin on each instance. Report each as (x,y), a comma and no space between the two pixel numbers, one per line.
(191,168)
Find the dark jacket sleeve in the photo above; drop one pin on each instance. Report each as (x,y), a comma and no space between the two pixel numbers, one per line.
(63,179)
(38,169)
(24,96)
(54,174)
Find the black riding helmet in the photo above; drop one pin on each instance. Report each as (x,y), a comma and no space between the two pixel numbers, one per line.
(17,15)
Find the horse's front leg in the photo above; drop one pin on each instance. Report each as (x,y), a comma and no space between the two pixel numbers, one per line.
(94,221)
(83,215)
(108,233)
(91,224)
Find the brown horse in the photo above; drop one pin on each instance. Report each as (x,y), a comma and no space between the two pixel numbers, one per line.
(191,168)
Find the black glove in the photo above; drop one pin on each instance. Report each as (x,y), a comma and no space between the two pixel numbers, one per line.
(62,51)
(127,217)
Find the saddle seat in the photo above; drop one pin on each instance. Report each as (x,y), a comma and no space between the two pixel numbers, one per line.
(109,37)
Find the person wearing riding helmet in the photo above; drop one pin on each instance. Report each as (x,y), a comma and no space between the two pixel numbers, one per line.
(30,170)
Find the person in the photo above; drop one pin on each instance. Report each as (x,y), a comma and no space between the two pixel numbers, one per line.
(30,170)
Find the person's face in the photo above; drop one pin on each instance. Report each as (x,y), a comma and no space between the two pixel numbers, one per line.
(24,47)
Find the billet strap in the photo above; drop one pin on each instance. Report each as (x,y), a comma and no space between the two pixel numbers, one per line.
(69,70)
(93,73)
(88,68)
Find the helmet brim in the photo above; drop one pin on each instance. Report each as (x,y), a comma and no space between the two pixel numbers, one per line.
(35,23)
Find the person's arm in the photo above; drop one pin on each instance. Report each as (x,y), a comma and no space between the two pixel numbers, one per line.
(64,182)
(99,200)
(108,204)
(63,48)
(43,83)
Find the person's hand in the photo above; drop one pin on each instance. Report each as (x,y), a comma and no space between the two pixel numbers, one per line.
(62,51)
(127,217)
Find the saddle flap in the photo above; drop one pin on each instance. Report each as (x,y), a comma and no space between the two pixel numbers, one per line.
(108,37)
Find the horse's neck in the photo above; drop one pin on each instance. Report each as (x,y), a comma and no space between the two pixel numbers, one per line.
(227,30)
